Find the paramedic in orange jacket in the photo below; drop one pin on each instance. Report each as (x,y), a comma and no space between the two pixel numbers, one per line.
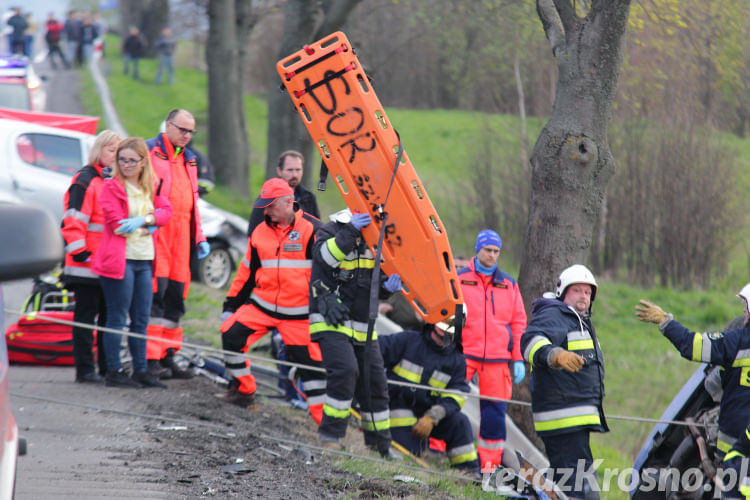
(495,321)
(176,168)
(82,230)
(271,290)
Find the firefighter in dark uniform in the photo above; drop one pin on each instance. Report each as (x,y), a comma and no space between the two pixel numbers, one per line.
(271,290)
(339,298)
(567,379)
(430,357)
(729,349)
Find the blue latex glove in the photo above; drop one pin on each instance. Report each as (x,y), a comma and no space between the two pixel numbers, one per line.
(225,315)
(519,371)
(129,225)
(360,220)
(151,229)
(203,250)
(393,283)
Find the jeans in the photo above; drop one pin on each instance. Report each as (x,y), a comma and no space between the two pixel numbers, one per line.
(131,294)
(128,61)
(165,63)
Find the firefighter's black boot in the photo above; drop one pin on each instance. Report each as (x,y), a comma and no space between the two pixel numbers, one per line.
(157,370)
(177,370)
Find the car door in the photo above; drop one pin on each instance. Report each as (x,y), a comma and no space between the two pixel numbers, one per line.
(42,163)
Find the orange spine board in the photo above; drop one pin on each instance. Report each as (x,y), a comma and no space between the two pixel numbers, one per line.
(347,123)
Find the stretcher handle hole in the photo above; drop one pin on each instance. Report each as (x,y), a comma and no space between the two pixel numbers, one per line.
(363,84)
(447,261)
(404,288)
(324,148)
(419,306)
(435,224)
(342,184)
(327,43)
(305,114)
(453,289)
(291,61)
(381,119)
(417,189)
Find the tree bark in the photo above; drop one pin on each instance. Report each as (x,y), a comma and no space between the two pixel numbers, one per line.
(285,128)
(571,160)
(228,146)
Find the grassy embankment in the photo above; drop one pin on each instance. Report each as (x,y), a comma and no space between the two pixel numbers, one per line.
(643,370)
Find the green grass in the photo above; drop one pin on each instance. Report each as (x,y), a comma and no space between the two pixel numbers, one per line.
(643,369)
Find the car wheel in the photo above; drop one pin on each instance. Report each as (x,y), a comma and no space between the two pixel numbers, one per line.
(216,269)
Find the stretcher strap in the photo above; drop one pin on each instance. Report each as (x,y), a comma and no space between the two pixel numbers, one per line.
(375,281)
(331,76)
(292,74)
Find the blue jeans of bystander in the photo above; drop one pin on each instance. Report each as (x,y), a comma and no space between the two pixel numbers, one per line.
(131,294)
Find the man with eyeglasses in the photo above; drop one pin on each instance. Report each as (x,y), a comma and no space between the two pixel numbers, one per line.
(176,168)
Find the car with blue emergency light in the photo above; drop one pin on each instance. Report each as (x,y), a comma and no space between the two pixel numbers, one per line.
(20,86)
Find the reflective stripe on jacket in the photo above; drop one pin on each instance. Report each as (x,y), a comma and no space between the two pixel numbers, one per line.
(496,317)
(275,272)
(82,224)
(562,401)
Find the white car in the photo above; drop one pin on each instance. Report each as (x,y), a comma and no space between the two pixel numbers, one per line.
(38,161)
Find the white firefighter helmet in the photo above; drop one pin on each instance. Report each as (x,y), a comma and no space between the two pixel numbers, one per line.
(745,295)
(448,325)
(342,216)
(577,273)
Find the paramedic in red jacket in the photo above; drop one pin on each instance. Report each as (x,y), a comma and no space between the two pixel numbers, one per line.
(495,321)
(176,168)
(82,227)
(272,290)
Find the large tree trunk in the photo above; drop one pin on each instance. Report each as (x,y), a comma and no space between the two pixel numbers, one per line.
(571,161)
(228,146)
(285,128)
(149,16)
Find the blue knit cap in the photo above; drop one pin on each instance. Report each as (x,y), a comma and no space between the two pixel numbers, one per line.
(487,237)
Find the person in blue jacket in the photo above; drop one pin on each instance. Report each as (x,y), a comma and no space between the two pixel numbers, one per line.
(729,349)
(567,379)
(430,357)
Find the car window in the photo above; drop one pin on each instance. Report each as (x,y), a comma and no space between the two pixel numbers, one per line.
(14,95)
(51,152)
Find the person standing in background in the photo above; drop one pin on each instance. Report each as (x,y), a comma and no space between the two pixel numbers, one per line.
(164,47)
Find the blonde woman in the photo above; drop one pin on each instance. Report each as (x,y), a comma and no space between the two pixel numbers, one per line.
(82,227)
(133,209)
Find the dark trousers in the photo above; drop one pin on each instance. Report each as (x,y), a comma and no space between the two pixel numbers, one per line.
(344,362)
(564,452)
(90,308)
(455,430)
(55,49)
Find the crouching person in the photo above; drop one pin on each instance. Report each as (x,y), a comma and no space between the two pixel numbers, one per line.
(430,357)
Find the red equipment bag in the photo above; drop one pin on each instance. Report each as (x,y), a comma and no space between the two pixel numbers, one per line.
(38,341)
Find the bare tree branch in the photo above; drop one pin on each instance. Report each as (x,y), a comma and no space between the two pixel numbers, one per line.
(335,13)
(552,24)
(567,12)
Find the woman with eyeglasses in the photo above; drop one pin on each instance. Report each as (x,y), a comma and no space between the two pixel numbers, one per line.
(133,209)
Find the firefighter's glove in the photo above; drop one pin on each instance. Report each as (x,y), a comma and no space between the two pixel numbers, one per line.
(81,256)
(393,283)
(568,361)
(127,226)
(333,310)
(650,312)
(519,371)
(360,220)
(423,428)
(203,250)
